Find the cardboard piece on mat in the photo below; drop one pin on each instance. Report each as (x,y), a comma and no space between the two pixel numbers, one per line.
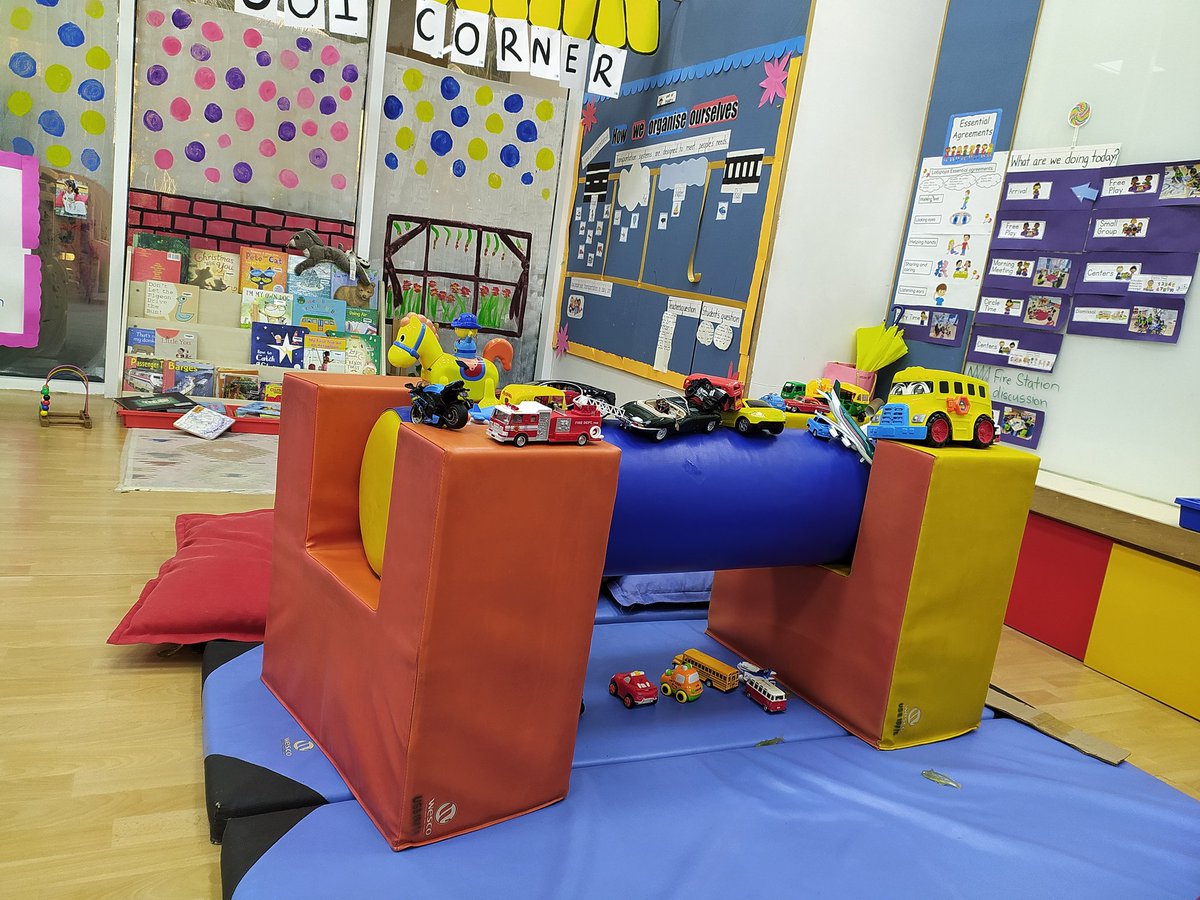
(1055,728)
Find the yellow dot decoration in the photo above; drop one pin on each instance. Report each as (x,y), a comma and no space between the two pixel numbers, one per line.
(493,180)
(477,149)
(21,18)
(405,138)
(92,122)
(545,110)
(545,159)
(58,156)
(483,96)
(58,78)
(494,124)
(19,103)
(413,79)
(97,58)
(425,111)
(420,168)
(545,193)
(94,9)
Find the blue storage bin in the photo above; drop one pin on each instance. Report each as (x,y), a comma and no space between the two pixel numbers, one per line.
(1189,512)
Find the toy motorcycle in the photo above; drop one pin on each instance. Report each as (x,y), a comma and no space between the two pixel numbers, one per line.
(442,405)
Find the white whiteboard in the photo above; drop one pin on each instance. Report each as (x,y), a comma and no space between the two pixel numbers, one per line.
(1126,414)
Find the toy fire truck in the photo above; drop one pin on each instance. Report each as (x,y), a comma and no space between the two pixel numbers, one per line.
(532,421)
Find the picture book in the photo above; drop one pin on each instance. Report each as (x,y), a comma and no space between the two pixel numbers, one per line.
(148,264)
(171,401)
(262,269)
(204,422)
(238,384)
(265,306)
(165,300)
(316,281)
(272,391)
(170,343)
(362,321)
(325,353)
(139,341)
(362,353)
(354,294)
(319,313)
(166,244)
(144,375)
(195,379)
(214,270)
(281,346)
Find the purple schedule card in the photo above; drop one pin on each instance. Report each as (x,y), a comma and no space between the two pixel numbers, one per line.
(1018,348)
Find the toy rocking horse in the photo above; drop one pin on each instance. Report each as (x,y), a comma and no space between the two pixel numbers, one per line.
(417,341)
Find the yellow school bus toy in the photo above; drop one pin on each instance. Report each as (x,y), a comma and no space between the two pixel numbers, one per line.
(936,407)
(516,394)
(714,672)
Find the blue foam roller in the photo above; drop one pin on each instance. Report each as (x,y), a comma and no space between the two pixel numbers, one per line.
(608,612)
(731,501)
(825,818)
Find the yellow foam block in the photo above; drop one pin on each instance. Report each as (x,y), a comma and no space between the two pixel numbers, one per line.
(1146,628)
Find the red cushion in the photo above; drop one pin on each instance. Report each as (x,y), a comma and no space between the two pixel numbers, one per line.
(215,586)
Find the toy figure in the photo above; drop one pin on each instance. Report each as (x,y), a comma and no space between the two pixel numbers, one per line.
(315,251)
(465,326)
(416,342)
(443,405)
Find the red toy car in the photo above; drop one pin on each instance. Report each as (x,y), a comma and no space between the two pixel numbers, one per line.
(634,689)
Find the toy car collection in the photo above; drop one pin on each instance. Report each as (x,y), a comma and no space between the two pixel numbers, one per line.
(443,405)
(725,396)
(682,682)
(662,416)
(713,672)
(936,407)
(633,689)
(533,421)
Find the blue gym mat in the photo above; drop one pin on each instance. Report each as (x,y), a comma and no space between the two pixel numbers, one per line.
(833,817)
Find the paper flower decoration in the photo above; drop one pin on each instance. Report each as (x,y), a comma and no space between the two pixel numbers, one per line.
(589,116)
(775,84)
(560,341)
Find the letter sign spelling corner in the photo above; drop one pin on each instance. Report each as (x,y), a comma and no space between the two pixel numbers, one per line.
(429,30)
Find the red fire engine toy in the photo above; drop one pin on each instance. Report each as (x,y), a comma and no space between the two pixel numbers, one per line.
(532,421)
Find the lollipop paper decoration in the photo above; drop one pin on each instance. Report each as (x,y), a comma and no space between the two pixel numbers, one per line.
(1078,117)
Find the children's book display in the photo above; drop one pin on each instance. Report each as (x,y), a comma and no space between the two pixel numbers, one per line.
(306,307)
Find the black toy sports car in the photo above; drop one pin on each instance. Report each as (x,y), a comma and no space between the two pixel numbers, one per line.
(667,415)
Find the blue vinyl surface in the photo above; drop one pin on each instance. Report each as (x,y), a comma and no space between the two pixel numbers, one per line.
(1033,818)
(731,501)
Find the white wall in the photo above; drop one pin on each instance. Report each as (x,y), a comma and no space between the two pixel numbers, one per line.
(857,133)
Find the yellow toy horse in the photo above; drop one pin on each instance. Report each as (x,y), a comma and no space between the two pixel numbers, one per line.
(417,341)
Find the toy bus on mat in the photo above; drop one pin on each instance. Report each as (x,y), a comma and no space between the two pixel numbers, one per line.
(936,407)
(714,672)
(765,692)
(532,421)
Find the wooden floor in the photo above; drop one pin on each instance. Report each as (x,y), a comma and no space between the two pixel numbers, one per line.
(101,784)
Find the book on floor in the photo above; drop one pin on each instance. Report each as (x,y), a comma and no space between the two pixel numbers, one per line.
(204,422)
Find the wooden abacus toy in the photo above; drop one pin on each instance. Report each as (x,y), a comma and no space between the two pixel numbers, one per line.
(80,418)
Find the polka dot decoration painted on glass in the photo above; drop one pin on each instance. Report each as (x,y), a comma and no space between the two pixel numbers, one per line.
(57,98)
(246,110)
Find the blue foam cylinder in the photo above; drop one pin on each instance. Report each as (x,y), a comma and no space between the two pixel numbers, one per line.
(732,501)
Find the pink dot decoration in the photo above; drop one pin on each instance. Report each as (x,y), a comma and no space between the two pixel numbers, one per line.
(266,147)
(289,59)
(181,110)
(330,55)
(171,45)
(155,18)
(244,118)
(338,182)
(346,92)
(309,127)
(251,38)
(164,159)
(288,178)
(212,31)
(213,175)
(338,131)
(266,90)
(305,98)
(205,78)
(223,141)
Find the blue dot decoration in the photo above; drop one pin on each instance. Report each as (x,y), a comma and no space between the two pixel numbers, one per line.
(459,168)
(514,103)
(50,3)
(52,123)
(70,34)
(510,155)
(303,43)
(527,178)
(440,142)
(22,146)
(22,64)
(526,131)
(392,107)
(91,90)
(450,87)
(459,116)
(90,159)
(213,113)
(391,161)
(317,76)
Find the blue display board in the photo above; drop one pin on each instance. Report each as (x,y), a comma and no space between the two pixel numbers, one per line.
(677,182)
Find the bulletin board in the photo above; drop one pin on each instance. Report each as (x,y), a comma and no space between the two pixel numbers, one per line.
(672,216)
